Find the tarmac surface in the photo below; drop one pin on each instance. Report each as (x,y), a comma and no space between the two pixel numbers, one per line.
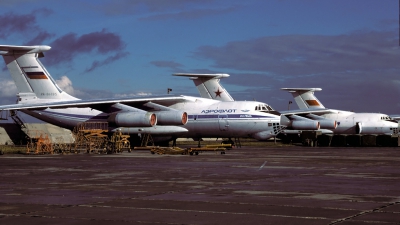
(248,185)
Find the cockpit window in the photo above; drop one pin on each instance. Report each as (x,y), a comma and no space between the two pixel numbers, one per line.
(386,118)
(264,108)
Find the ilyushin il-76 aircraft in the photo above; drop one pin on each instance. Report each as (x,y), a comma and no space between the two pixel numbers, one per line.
(347,122)
(331,121)
(209,87)
(164,117)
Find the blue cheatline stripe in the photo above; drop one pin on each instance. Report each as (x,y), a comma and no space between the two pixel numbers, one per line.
(231,116)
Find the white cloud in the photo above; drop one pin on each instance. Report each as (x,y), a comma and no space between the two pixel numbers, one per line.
(8,88)
(66,85)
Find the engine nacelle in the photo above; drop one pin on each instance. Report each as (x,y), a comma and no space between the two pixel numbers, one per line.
(327,124)
(305,125)
(323,122)
(171,118)
(133,119)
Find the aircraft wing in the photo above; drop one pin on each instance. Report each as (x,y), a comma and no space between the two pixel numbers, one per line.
(306,118)
(97,103)
(305,111)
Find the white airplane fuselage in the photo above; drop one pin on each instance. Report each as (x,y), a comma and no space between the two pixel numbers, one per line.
(229,119)
(362,123)
(207,118)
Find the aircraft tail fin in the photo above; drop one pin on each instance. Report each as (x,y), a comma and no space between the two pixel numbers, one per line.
(208,85)
(32,79)
(305,98)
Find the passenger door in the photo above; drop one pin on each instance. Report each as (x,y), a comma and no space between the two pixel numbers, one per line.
(223,122)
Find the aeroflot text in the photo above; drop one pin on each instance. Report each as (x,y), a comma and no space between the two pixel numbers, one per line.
(219,111)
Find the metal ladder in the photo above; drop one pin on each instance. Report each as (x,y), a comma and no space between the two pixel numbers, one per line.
(14,116)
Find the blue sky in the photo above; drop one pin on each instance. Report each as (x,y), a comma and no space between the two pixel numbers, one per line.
(349,48)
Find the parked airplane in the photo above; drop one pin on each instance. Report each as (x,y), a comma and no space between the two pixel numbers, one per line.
(209,86)
(164,117)
(347,122)
(310,108)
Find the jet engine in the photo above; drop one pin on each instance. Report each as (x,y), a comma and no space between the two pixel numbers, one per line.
(171,118)
(328,124)
(301,123)
(133,119)
(324,123)
(305,125)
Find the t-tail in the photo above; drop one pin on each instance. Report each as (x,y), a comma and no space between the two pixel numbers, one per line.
(208,85)
(305,98)
(33,81)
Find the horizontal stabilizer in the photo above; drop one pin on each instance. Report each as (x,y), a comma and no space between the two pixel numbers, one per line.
(4,49)
(202,75)
(301,89)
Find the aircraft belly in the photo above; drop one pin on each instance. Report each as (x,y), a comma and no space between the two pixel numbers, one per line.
(234,128)
(377,128)
(367,127)
(203,128)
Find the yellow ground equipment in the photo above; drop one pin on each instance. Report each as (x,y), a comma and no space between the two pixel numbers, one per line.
(210,148)
(91,137)
(189,151)
(39,143)
(60,146)
(119,142)
(168,150)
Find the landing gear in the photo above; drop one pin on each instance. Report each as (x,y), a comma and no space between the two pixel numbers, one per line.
(174,142)
(229,141)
